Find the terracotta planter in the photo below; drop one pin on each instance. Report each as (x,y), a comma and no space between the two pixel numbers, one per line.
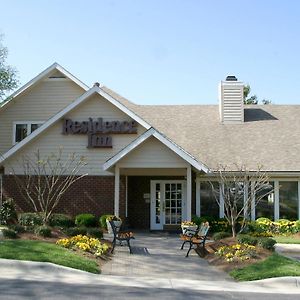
(117,224)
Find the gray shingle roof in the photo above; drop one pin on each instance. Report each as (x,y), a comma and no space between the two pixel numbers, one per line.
(270,135)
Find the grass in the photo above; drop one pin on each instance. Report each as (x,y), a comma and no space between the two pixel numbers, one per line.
(46,252)
(289,239)
(274,266)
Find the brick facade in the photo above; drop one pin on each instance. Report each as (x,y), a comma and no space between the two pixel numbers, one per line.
(91,194)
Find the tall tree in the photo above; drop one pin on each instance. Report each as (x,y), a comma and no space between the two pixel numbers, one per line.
(240,190)
(8,74)
(252,99)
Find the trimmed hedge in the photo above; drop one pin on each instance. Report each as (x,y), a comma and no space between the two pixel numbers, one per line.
(95,232)
(88,220)
(30,219)
(17,228)
(44,231)
(9,233)
(75,231)
(247,239)
(267,243)
(61,220)
(221,235)
(264,242)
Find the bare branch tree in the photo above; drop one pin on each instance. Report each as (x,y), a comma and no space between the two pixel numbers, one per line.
(45,179)
(240,191)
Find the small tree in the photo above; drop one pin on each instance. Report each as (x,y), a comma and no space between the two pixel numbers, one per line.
(240,190)
(46,179)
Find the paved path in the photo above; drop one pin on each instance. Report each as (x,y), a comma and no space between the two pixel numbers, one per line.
(289,250)
(159,255)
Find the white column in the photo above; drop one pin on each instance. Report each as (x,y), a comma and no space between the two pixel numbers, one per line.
(126,200)
(198,198)
(298,199)
(276,200)
(117,191)
(221,200)
(189,193)
(253,216)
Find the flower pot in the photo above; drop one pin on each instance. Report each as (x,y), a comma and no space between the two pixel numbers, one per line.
(186,228)
(117,224)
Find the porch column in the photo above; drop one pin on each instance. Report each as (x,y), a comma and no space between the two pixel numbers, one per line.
(189,193)
(117,191)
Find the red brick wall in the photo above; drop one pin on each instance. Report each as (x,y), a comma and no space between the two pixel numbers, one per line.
(91,194)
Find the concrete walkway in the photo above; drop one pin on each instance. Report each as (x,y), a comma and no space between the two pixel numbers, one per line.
(289,250)
(158,255)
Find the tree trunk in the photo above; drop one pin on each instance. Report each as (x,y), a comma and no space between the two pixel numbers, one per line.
(233,230)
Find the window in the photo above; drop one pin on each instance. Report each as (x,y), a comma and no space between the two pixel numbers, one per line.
(288,200)
(209,205)
(23,129)
(265,207)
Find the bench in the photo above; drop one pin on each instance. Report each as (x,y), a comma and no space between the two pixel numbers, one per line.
(195,238)
(121,236)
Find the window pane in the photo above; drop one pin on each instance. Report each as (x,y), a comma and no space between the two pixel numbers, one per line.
(21,132)
(288,200)
(209,205)
(265,207)
(35,126)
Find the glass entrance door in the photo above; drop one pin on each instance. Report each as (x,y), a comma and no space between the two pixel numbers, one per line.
(167,203)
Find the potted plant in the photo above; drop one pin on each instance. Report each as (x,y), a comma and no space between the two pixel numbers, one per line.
(188,225)
(117,221)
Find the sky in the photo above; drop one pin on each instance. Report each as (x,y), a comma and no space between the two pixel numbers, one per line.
(160,52)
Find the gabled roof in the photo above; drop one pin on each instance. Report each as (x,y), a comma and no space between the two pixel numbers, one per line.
(41,76)
(62,113)
(163,139)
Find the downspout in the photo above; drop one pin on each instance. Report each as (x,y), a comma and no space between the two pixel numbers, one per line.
(1,185)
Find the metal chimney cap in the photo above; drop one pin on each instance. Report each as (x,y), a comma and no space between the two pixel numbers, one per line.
(97,84)
(231,78)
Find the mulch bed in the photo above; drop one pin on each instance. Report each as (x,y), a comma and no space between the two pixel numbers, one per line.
(220,263)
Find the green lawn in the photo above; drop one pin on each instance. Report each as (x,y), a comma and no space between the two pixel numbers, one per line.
(46,252)
(287,239)
(274,266)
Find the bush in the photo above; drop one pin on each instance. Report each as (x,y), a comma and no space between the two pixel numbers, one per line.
(44,231)
(9,233)
(247,239)
(221,235)
(266,243)
(88,220)
(17,228)
(30,219)
(73,231)
(102,221)
(8,213)
(61,220)
(95,232)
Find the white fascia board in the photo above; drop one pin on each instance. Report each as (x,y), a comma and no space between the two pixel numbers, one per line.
(41,76)
(124,108)
(47,124)
(152,132)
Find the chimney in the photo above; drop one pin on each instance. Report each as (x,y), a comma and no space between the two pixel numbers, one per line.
(97,84)
(231,101)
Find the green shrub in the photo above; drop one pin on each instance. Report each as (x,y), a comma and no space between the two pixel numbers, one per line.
(61,220)
(44,231)
(266,243)
(88,220)
(30,219)
(247,239)
(9,233)
(75,231)
(8,213)
(102,221)
(95,232)
(17,228)
(221,235)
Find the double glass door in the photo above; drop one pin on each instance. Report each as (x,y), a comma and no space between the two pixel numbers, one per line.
(167,203)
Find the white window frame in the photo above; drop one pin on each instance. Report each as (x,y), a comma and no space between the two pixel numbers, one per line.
(28,123)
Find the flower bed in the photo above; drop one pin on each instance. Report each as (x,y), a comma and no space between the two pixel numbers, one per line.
(237,252)
(84,243)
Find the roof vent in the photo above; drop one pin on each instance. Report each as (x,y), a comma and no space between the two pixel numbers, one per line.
(231,78)
(97,84)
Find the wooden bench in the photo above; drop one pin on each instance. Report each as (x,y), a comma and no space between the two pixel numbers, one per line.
(121,236)
(195,237)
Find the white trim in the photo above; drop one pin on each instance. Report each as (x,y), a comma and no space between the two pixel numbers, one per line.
(189,193)
(71,106)
(298,199)
(198,198)
(152,132)
(41,76)
(117,191)
(276,200)
(126,196)
(27,123)
(221,200)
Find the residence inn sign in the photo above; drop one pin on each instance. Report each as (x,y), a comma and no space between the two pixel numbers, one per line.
(99,132)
